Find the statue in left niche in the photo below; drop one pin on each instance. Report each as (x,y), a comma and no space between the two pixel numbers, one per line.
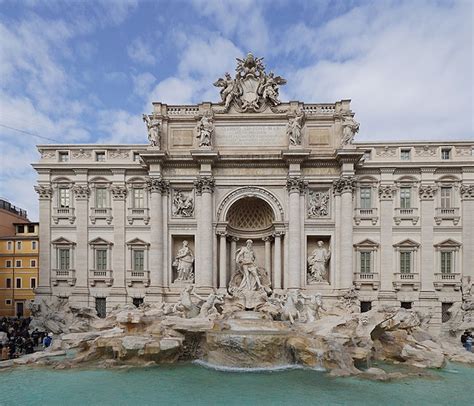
(153,127)
(205,130)
(184,263)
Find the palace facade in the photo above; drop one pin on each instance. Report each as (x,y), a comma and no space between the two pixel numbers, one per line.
(394,221)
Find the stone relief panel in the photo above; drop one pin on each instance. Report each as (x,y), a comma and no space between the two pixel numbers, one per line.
(319,256)
(425,151)
(386,152)
(183,203)
(183,259)
(318,204)
(81,154)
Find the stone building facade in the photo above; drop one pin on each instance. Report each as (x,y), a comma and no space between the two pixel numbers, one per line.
(393,221)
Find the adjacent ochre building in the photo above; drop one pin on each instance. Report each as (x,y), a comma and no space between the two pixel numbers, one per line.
(133,223)
(19,263)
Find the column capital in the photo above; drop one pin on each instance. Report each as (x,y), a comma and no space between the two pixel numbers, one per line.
(427,192)
(221,233)
(296,184)
(44,191)
(156,184)
(204,184)
(278,234)
(386,192)
(81,192)
(268,238)
(345,184)
(118,192)
(467,192)
(234,239)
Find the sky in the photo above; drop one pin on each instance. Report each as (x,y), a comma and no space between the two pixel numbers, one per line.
(83,71)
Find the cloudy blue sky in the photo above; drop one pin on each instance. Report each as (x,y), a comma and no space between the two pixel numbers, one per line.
(83,71)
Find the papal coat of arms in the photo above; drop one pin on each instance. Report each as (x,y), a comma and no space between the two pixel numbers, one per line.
(252,89)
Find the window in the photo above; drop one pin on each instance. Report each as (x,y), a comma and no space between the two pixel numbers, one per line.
(101,198)
(33,283)
(8,283)
(137,301)
(33,245)
(21,229)
(365,197)
(18,283)
(445,315)
(33,263)
(31,229)
(405,154)
(138,260)
(8,302)
(365,306)
(365,262)
(100,156)
(9,245)
(64,258)
(63,156)
(8,263)
(18,263)
(446,261)
(446,197)
(405,262)
(405,197)
(136,157)
(446,153)
(101,259)
(138,199)
(405,305)
(101,306)
(18,245)
(64,197)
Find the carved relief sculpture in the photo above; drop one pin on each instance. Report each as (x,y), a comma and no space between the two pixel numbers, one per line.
(184,263)
(183,204)
(318,204)
(294,129)
(350,128)
(153,127)
(205,130)
(318,264)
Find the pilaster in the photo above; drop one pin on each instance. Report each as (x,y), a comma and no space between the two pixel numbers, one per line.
(467,199)
(119,195)
(427,193)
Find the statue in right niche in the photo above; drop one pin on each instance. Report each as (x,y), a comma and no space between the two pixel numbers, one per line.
(184,263)
(318,263)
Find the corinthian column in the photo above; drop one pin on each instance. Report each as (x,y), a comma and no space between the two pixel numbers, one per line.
(119,194)
(222,259)
(44,284)
(204,265)
(344,186)
(295,186)
(156,187)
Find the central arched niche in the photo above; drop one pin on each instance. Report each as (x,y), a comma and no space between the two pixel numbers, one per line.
(250,216)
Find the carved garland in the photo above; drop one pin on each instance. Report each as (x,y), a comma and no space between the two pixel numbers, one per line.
(44,192)
(204,184)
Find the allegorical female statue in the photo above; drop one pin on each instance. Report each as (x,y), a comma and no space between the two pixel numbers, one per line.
(317,263)
(184,262)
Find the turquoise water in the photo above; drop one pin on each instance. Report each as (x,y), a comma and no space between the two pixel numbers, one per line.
(196,385)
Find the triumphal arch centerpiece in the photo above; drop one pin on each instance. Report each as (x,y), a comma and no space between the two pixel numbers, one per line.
(253,194)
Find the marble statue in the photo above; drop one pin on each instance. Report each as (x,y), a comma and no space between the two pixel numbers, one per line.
(208,309)
(350,128)
(185,305)
(292,306)
(153,127)
(229,90)
(183,204)
(183,262)
(318,204)
(269,88)
(250,66)
(317,263)
(205,130)
(312,307)
(294,128)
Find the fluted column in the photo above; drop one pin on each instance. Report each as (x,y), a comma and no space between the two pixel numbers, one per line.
(222,259)
(277,262)
(467,198)
(156,187)
(295,186)
(44,284)
(204,274)
(119,194)
(344,186)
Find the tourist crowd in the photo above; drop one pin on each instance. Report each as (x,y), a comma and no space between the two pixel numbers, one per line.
(466,340)
(16,340)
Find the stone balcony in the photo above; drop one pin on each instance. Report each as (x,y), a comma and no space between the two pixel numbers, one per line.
(451,213)
(406,279)
(97,276)
(366,279)
(66,213)
(365,214)
(138,277)
(447,279)
(138,214)
(63,275)
(406,214)
(101,213)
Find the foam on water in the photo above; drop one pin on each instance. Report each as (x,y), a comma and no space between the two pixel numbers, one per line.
(225,368)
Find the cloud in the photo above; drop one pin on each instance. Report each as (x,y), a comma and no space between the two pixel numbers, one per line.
(142,83)
(140,52)
(121,127)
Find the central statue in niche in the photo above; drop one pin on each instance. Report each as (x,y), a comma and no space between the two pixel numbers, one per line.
(249,282)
